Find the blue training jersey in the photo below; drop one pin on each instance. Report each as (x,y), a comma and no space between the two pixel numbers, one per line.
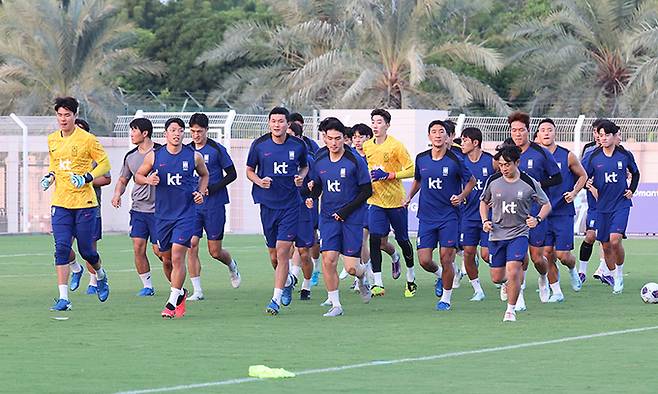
(340,182)
(217,159)
(173,195)
(591,201)
(481,170)
(538,162)
(281,162)
(555,193)
(439,180)
(610,177)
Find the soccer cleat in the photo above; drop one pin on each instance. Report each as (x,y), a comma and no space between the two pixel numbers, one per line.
(544,290)
(326,303)
(477,296)
(410,289)
(334,311)
(236,280)
(196,297)
(442,306)
(364,292)
(355,285)
(395,268)
(556,297)
(91,290)
(314,278)
(168,313)
(576,283)
(520,304)
(608,280)
(456,280)
(378,291)
(286,296)
(103,289)
(305,295)
(180,308)
(509,316)
(438,287)
(503,292)
(598,274)
(272,308)
(146,292)
(75,279)
(343,274)
(582,277)
(61,305)
(618,286)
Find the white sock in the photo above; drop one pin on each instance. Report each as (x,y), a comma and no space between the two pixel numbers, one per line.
(289,280)
(437,273)
(583,267)
(620,272)
(196,283)
(523,281)
(75,266)
(543,280)
(277,295)
(295,270)
(334,298)
(572,270)
(520,300)
(100,273)
(232,266)
(411,275)
(93,280)
(477,287)
(395,256)
(604,267)
(447,294)
(306,284)
(173,296)
(316,264)
(378,279)
(510,308)
(63,292)
(555,287)
(146,280)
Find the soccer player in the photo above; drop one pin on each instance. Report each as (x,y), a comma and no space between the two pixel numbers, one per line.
(277,165)
(389,163)
(142,211)
(541,166)
(439,175)
(74,205)
(344,182)
(559,235)
(211,214)
(175,197)
(311,146)
(511,194)
(608,166)
(481,166)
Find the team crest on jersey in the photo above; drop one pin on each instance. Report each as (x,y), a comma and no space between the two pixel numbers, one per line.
(291,154)
(519,194)
(206,158)
(485,171)
(342,173)
(74,151)
(530,163)
(445,171)
(186,165)
(620,165)
(386,157)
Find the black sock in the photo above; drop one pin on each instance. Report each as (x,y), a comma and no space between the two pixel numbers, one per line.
(407,252)
(585,251)
(376,253)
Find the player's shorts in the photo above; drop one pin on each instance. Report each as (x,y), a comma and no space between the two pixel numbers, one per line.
(445,233)
(305,234)
(538,234)
(211,220)
(501,252)
(98,231)
(560,232)
(366,217)
(74,223)
(177,231)
(611,222)
(345,238)
(279,224)
(142,225)
(315,214)
(380,221)
(473,235)
(590,220)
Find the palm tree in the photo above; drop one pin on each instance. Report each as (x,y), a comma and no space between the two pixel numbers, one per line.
(52,48)
(364,53)
(589,56)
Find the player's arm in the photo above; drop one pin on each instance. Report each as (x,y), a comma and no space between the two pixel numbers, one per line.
(485,205)
(541,198)
(408,166)
(365,191)
(635,177)
(415,187)
(578,170)
(119,189)
(99,155)
(264,183)
(230,176)
(467,189)
(103,180)
(143,176)
(204,175)
(49,178)
(552,180)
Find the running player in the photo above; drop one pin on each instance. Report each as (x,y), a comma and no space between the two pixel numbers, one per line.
(559,235)
(481,165)
(277,165)
(608,166)
(142,216)
(389,163)
(344,182)
(541,166)
(439,175)
(511,194)
(175,197)
(211,215)
(74,205)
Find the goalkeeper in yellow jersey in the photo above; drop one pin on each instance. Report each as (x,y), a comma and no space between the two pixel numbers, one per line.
(388,163)
(71,151)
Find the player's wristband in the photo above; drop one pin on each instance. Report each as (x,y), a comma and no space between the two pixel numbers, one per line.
(485,222)
(88,177)
(538,219)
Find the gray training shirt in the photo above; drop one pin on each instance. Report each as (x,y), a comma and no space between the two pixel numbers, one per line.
(511,205)
(143,195)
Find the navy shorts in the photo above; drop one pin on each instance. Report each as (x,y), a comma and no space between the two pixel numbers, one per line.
(305,234)
(560,232)
(445,233)
(611,222)
(178,231)
(590,220)
(142,225)
(74,223)
(345,238)
(473,235)
(501,252)
(315,214)
(538,234)
(279,224)
(211,220)
(98,232)
(380,221)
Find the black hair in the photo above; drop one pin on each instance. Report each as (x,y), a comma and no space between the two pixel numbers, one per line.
(450,127)
(69,103)
(178,121)
(546,120)
(279,111)
(509,153)
(474,134)
(142,124)
(597,122)
(349,132)
(436,122)
(518,116)
(457,141)
(296,117)
(535,134)
(362,129)
(199,119)
(81,123)
(332,123)
(296,129)
(383,113)
(608,126)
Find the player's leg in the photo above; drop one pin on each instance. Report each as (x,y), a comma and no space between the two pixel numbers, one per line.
(587,246)
(92,288)
(400,224)
(194,267)
(63,225)
(164,230)
(541,265)
(564,243)
(141,229)
(85,225)
(379,226)
(448,233)
(553,274)
(617,229)
(470,238)
(331,281)
(181,237)
(285,228)
(426,241)
(513,272)
(214,224)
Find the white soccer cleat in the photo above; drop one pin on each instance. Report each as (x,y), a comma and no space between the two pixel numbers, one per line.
(343,274)
(619,286)
(544,290)
(195,297)
(559,297)
(326,303)
(576,284)
(503,292)
(236,279)
(456,280)
(364,292)
(520,304)
(509,316)
(478,296)
(334,311)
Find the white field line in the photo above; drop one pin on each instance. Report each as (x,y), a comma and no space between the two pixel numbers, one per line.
(398,361)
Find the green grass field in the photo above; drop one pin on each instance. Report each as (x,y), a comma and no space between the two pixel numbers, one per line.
(125,345)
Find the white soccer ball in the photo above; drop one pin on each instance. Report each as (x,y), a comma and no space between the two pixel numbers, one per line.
(649,293)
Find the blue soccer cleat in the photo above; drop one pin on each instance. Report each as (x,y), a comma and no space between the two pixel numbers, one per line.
(146,292)
(286,296)
(272,308)
(314,278)
(75,279)
(91,290)
(61,305)
(442,306)
(103,289)
(438,287)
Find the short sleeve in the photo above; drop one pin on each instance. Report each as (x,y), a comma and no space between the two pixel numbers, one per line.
(539,195)
(632,166)
(252,156)
(225,160)
(303,159)
(417,171)
(363,177)
(486,193)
